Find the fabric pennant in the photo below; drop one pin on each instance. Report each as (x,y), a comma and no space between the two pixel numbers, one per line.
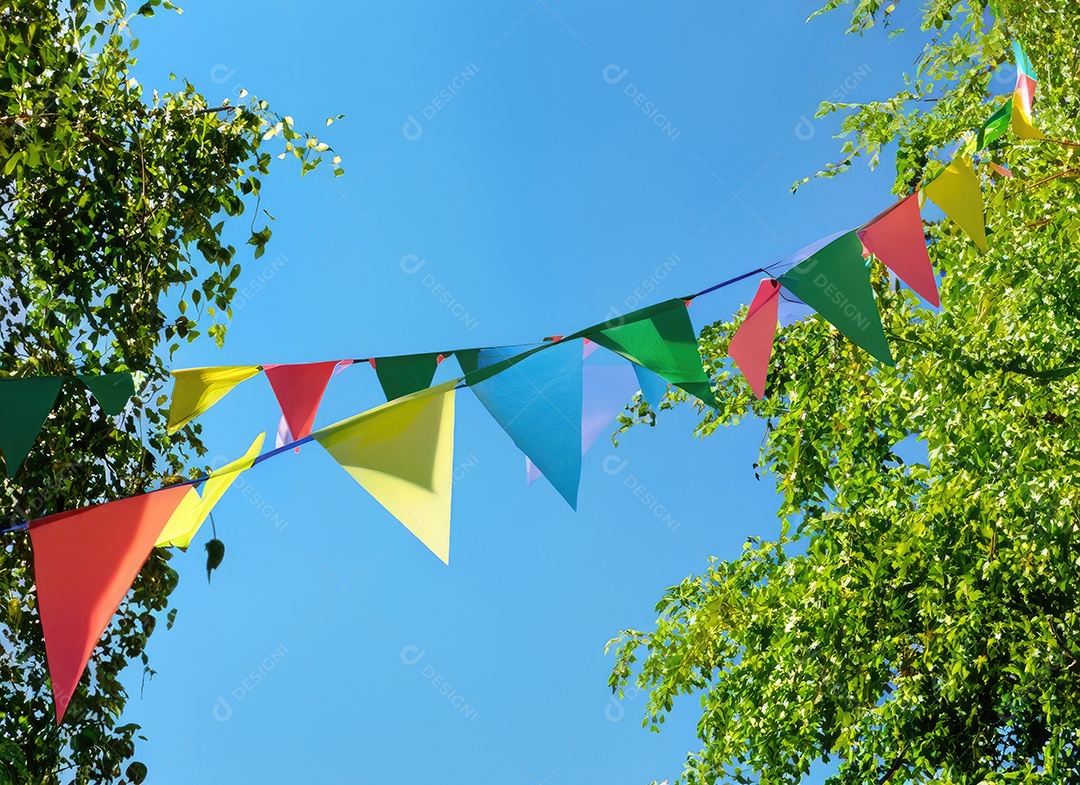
(1023,63)
(195,390)
(995,126)
(112,391)
(835,282)
(653,387)
(299,391)
(1022,101)
(402,453)
(25,403)
(958,192)
(537,401)
(662,339)
(606,389)
(896,237)
(409,373)
(84,564)
(468,359)
(195,509)
(751,346)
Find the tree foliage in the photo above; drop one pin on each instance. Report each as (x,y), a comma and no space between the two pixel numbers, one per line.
(113,207)
(917,619)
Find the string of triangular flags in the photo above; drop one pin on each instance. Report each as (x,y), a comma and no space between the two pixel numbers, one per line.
(554,404)
(831,276)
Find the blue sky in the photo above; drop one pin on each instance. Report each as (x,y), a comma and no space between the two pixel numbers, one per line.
(514,170)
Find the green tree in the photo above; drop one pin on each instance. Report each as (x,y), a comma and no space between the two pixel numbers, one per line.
(913,621)
(113,205)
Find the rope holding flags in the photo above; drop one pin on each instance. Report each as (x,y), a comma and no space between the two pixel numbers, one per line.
(550,401)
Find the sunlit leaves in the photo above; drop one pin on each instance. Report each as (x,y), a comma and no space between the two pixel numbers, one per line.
(916,619)
(115,200)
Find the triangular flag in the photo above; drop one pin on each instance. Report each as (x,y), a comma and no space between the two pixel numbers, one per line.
(751,346)
(402,453)
(1023,62)
(409,373)
(537,401)
(192,512)
(958,192)
(896,237)
(24,405)
(1022,123)
(468,359)
(299,390)
(1024,96)
(84,563)
(112,391)
(835,282)
(994,127)
(197,389)
(792,309)
(606,389)
(653,387)
(284,435)
(662,339)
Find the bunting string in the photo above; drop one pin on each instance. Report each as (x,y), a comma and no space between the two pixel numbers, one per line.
(555,404)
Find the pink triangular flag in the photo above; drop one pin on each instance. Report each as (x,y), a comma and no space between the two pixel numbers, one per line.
(896,238)
(299,390)
(84,563)
(751,346)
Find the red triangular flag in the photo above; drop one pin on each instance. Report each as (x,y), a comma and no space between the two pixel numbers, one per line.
(299,390)
(896,238)
(84,563)
(751,346)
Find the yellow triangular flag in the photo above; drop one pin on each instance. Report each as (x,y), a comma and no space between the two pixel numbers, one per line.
(958,192)
(1022,123)
(193,509)
(197,389)
(402,453)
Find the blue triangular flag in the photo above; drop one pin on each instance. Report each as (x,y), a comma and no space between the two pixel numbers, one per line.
(653,386)
(538,403)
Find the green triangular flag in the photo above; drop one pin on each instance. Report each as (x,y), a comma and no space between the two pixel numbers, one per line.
(468,359)
(406,374)
(662,339)
(24,405)
(835,282)
(997,125)
(112,391)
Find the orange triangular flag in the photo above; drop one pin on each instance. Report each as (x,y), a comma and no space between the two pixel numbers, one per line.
(299,390)
(84,563)
(896,238)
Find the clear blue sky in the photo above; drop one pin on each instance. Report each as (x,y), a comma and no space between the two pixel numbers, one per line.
(543,193)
